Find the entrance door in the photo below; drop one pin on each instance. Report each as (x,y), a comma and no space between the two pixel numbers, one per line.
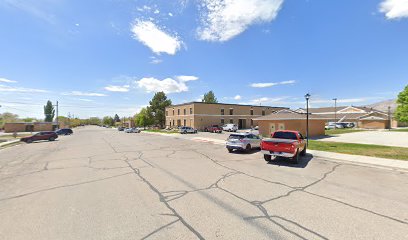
(241,123)
(29,128)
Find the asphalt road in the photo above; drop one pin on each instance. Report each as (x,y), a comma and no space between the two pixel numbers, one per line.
(104,184)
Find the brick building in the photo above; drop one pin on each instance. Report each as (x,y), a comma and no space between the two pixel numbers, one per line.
(200,115)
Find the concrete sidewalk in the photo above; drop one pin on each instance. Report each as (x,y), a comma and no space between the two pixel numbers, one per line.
(363,160)
(4,144)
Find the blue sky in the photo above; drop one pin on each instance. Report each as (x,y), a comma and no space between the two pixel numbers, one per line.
(104,57)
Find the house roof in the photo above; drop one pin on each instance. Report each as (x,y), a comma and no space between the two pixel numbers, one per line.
(290,116)
(231,104)
(339,109)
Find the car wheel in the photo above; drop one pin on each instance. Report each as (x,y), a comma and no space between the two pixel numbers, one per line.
(29,141)
(230,150)
(267,158)
(51,139)
(303,152)
(295,159)
(185,132)
(248,148)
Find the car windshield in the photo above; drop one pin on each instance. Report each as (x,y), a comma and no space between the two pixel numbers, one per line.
(285,135)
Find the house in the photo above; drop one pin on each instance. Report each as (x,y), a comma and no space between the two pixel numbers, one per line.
(363,117)
(291,120)
(200,115)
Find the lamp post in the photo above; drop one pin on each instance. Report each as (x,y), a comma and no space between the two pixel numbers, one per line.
(307,97)
(335,112)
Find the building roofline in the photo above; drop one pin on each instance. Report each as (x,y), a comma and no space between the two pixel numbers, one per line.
(231,104)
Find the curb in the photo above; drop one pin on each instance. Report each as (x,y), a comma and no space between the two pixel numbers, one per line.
(5,144)
(362,160)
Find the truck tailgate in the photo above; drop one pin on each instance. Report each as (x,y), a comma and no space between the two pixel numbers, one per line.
(278,145)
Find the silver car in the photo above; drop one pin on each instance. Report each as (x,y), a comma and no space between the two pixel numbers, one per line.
(243,142)
(132,130)
(184,130)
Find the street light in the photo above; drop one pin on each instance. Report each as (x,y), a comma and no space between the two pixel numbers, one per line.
(389,118)
(335,112)
(307,97)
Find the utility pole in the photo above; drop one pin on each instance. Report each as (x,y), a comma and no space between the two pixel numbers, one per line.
(335,112)
(57,115)
(307,97)
(389,118)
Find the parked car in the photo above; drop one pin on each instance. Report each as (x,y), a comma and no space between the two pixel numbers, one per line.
(121,129)
(132,130)
(64,131)
(213,129)
(287,144)
(50,136)
(184,130)
(332,125)
(230,127)
(243,142)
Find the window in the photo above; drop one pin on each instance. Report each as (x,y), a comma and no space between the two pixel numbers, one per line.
(231,111)
(222,111)
(263,112)
(173,113)
(252,112)
(178,111)
(222,121)
(231,120)
(191,110)
(173,122)
(167,113)
(185,122)
(184,111)
(252,123)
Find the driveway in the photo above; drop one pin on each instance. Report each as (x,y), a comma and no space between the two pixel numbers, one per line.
(387,138)
(104,184)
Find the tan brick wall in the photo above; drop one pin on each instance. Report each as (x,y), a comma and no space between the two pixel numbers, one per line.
(316,127)
(374,124)
(21,127)
(14,127)
(204,115)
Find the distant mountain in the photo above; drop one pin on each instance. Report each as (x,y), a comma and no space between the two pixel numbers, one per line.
(383,106)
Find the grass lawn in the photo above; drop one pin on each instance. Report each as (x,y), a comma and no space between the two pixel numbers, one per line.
(398,153)
(400,130)
(338,131)
(160,131)
(10,137)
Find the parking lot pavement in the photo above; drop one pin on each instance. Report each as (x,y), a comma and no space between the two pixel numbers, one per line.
(104,184)
(386,138)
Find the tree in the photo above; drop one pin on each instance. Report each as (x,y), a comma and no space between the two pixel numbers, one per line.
(108,121)
(209,97)
(401,114)
(7,117)
(116,118)
(49,112)
(95,121)
(29,119)
(144,117)
(158,105)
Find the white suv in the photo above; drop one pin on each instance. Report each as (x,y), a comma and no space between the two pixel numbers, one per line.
(230,127)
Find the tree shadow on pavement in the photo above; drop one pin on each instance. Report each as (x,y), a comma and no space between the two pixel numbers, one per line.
(285,162)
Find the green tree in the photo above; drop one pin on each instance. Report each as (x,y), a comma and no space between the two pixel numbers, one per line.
(49,111)
(7,117)
(116,118)
(209,97)
(144,117)
(401,114)
(158,105)
(107,120)
(29,119)
(94,121)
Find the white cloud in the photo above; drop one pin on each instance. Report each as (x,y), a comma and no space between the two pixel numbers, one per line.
(85,100)
(5,80)
(4,88)
(394,8)
(167,85)
(156,11)
(155,60)
(237,97)
(113,88)
(170,14)
(155,38)
(186,78)
(87,94)
(225,19)
(265,85)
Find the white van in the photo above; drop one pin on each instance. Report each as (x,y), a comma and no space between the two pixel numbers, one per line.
(230,127)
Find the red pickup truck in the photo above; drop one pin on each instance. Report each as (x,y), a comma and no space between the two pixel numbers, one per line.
(287,144)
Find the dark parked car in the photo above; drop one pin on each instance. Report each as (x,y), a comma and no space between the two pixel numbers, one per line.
(121,129)
(50,136)
(64,131)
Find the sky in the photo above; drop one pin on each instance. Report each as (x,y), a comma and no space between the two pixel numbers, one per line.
(101,57)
